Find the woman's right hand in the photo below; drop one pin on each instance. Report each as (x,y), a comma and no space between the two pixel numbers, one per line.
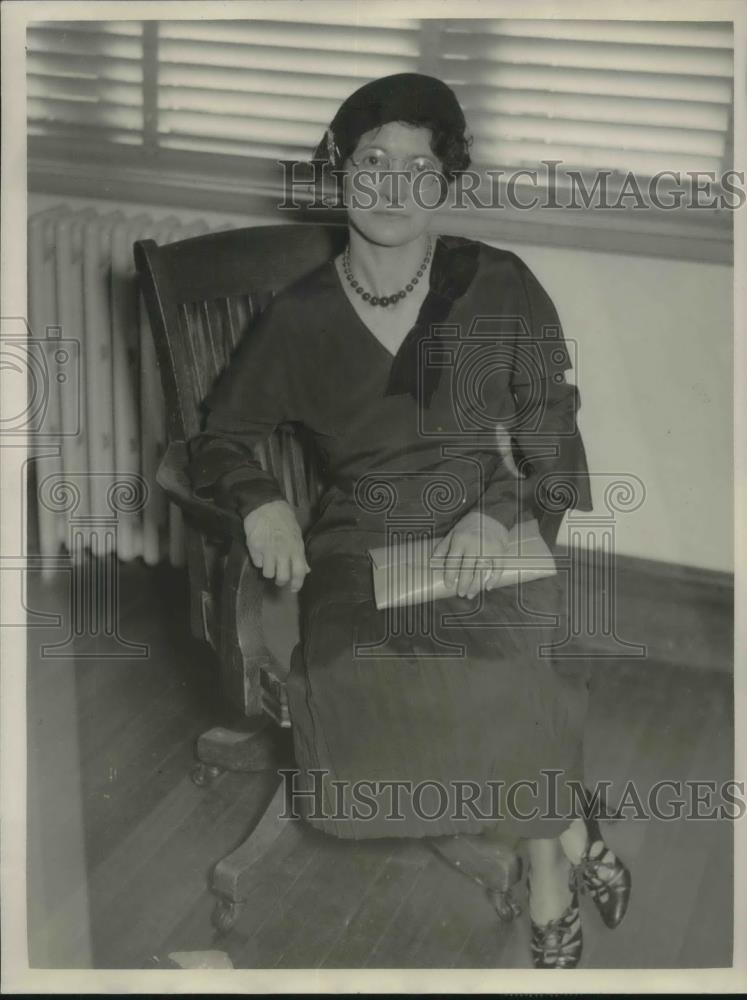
(275,543)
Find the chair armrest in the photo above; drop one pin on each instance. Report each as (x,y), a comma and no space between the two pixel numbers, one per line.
(252,675)
(254,664)
(205,515)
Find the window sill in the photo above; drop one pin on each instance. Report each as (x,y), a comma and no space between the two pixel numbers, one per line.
(694,235)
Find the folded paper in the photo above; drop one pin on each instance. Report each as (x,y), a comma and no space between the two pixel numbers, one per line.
(405,571)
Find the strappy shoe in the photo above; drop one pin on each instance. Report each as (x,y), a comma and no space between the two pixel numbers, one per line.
(558,943)
(604,876)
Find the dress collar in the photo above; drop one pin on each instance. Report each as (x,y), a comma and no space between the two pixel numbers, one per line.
(454,265)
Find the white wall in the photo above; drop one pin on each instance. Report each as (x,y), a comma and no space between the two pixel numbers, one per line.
(654,350)
(655,372)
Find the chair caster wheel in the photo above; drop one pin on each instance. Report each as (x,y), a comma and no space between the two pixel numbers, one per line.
(225,915)
(505,905)
(204,775)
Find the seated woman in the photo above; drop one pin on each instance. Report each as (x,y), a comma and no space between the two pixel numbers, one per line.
(402,357)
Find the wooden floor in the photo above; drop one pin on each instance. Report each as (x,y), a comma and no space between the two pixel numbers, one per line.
(120,838)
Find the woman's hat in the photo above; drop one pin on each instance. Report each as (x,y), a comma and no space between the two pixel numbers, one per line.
(406,97)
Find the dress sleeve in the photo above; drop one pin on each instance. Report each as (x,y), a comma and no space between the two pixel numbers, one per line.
(546,444)
(253,395)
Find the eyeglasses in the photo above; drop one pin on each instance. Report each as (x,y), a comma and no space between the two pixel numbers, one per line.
(377,161)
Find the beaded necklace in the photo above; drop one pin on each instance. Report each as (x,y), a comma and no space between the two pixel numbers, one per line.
(385,300)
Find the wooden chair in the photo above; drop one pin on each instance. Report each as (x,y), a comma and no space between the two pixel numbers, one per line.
(201,295)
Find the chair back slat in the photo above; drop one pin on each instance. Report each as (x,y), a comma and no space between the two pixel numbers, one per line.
(203,294)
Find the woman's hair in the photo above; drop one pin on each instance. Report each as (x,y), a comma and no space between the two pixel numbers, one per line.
(451,145)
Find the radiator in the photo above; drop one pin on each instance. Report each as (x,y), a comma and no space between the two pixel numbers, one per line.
(98,431)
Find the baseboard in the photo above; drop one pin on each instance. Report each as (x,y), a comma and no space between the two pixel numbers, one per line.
(682,615)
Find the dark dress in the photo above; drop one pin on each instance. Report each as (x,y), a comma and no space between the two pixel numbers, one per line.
(452,697)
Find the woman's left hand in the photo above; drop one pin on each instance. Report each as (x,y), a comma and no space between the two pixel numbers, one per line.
(473,550)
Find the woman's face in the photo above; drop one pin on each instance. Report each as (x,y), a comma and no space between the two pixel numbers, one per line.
(390,180)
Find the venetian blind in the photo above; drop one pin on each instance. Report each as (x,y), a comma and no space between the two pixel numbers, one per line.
(85,82)
(627,96)
(637,96)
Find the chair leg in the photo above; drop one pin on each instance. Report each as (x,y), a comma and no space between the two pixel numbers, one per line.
(221,749)
(493,864)
(237,874)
